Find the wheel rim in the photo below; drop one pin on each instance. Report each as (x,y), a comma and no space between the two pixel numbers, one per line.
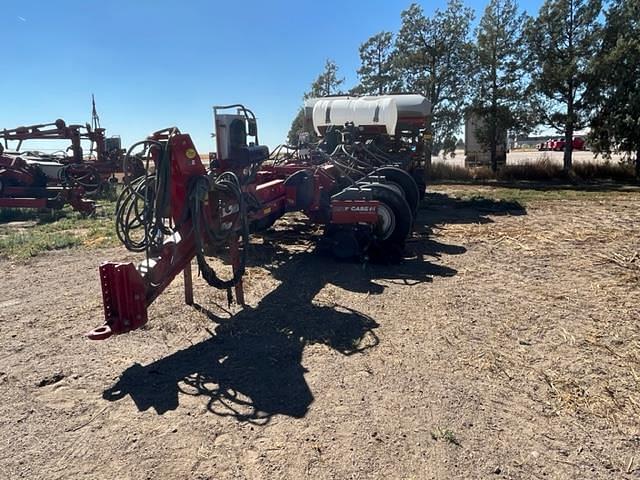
(386,222)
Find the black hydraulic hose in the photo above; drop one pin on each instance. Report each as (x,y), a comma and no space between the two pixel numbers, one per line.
(227,183)
(81,174)
(288,155)
(144,201)
(129,216)
(382,158)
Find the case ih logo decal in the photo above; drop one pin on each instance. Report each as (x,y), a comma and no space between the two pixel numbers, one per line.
(363,208)
(357,208)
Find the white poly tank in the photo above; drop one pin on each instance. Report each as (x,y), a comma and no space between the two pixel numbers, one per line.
(365,112)
(412,105)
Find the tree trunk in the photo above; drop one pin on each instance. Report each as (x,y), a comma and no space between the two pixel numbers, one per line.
(568,147)
(570,125)
(638,164)
(428,150)
(568,136)
(493,132)
(494,151)
(494,109)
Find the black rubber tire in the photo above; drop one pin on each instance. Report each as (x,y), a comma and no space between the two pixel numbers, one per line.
(402,216)
(406,183)
(422,188)
(133,170)
(418,177)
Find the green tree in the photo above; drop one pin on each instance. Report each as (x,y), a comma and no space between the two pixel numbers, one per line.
(561,41)
(434,56)
(297,126)
(499,97)
(615,84)
(327,83)
(377,70)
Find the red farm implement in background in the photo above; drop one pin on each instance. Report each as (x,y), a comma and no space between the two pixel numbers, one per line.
(27,185)
(34,179)
(557,144)
(181,211)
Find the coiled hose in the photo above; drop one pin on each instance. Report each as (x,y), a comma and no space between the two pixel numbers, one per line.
(227,184)
(143,204)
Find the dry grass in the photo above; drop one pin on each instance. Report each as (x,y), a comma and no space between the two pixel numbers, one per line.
(585,273)
(444,171)
(628,261)
(542,171)
(27,233)
(620,172)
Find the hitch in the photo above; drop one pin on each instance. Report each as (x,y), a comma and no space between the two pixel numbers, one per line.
(124,300)
(182,195)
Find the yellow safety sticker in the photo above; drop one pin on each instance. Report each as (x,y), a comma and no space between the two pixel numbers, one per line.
(191,153)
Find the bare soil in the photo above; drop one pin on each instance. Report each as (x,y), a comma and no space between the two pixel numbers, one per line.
(506,345)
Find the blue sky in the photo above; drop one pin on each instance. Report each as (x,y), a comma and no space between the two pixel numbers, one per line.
(153,64)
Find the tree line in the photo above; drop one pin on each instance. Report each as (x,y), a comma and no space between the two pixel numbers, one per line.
(575,64)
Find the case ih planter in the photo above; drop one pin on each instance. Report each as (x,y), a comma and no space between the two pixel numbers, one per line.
(353,181)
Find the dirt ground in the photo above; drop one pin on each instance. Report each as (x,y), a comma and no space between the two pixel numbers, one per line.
(506,345)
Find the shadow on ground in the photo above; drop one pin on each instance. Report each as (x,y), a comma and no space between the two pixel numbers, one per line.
(439,208)
(550,185)
(251,367)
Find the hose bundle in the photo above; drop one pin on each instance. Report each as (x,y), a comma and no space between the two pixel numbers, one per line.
(225,184)
(143,203)
(141,212)
(81,174)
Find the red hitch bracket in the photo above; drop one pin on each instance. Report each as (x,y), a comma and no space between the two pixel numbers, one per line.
(124,299)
